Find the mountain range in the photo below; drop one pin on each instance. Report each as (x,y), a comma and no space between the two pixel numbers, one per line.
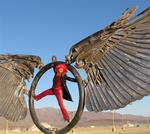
(54,117)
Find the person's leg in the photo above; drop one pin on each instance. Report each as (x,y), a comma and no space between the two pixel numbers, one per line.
(59,96)
(43,94)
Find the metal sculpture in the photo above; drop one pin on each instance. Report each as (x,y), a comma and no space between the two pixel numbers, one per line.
(116,61)
(14,70)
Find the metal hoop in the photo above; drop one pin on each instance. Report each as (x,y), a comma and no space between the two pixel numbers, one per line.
(80,108)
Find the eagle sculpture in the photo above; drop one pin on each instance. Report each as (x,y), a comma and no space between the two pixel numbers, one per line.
(115,59)
(14,70)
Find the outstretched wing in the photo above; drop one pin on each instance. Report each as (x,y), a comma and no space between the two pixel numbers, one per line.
(14,70)
(117,62)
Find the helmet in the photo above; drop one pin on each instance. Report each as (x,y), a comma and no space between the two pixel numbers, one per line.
(57,67)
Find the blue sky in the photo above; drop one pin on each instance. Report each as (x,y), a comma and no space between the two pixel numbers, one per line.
(51,27)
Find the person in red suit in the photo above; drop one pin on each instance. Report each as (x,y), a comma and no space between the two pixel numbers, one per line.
(59,88)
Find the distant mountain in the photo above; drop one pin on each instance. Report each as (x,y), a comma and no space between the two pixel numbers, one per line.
(54,117)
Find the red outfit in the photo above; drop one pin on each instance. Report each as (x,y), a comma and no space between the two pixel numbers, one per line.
(57,91)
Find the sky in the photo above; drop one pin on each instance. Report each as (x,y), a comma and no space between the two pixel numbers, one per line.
(50,27)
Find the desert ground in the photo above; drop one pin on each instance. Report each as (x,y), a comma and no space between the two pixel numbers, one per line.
(97,130)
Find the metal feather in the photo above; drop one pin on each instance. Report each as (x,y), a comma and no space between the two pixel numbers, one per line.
(117,62)
(14,70)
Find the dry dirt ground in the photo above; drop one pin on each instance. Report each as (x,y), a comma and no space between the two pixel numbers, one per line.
(98,130)
(139,130)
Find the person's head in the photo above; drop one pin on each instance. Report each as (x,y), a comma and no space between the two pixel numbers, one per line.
(61,68)
(54,58)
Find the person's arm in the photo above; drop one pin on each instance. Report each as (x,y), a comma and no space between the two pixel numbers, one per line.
(70,79)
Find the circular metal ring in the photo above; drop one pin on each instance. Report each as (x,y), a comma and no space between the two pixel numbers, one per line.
(80,108)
